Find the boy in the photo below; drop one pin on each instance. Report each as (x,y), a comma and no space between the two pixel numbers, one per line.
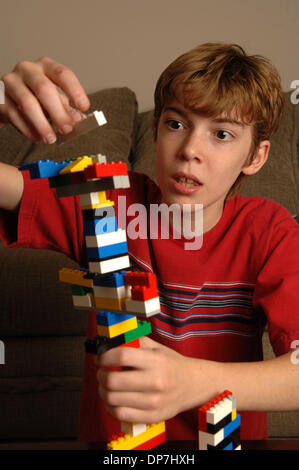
(215,111)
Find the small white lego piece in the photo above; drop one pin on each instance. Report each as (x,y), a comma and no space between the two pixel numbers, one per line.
(145,308)
(105,239)
(109,265)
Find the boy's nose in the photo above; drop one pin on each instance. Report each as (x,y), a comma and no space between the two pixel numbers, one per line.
(192,148)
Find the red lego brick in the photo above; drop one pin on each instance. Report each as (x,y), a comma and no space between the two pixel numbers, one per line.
(143,293)
(132,344)
(140,279)
(100,170)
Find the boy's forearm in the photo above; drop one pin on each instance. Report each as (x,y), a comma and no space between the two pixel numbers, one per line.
(270,385)
(11,187)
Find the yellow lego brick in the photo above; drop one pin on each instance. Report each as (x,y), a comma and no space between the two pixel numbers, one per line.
(128,442)
(234,414)
(113,304)
(74,276)
(77,165)
(118,328)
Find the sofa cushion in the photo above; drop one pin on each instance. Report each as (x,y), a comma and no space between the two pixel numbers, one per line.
(114,139)
(33,300)
(277,180)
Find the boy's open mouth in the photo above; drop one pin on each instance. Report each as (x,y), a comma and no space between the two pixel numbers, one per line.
(185,183)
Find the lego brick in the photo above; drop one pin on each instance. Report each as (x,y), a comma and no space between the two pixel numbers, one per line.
(109,265)
(128,442)
(97,198)
(107,251)
(230,442)
(110,304)
(152,443)
(143,329)
(103,184)
(105,239)
(213,414)
(205,438)
(80,290)
(85,301)
(91,122)
(100,226)
(213,428)
(143,293)
(132,428)
(44,168)
(111,318)
(101,170)
(110,280)
(99,158)
(132,344)
(136,278)
(111,292)
(219,411)
(100,344)
(145,308)
(74,276)
(77,165)
(117,329)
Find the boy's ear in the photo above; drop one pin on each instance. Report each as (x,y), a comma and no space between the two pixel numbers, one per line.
(259,159)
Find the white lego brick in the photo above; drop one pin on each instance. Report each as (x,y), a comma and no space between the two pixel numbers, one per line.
(109,265)
(205,438)
(145,308)
(105,239)
(121,181)
(83,300)
(133,428)
(89,199)
(99,158)
(89,123)
(112,292)
(219,411)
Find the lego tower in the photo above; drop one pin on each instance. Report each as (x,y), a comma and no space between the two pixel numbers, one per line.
(121,300)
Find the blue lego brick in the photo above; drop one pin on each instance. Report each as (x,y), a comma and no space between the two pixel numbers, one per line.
(110,280)
(229,446)
(99,226)
(229,428)
(101,252)
(110,318)
(44,168)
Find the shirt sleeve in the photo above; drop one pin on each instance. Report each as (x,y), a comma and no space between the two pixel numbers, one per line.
(277,287)
(44,221)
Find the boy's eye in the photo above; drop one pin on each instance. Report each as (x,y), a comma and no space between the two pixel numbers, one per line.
(173,124)
(223,135)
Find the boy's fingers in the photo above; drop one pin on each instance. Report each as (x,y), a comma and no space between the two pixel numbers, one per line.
(20,97)
(137,358)
(65,78)
(9,113)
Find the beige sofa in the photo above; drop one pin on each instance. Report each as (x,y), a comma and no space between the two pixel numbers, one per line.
(43,336)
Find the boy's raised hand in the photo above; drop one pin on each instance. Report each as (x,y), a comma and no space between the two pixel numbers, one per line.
(33,101)
(154,385)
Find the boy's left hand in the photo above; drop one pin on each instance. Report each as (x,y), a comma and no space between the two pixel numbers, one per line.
(154,384)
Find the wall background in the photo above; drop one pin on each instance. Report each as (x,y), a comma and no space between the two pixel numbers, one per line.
(129,42)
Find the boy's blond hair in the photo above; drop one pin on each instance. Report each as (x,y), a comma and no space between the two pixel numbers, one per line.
(221,79)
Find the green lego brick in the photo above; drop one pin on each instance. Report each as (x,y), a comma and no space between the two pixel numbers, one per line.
(80,290)
(143,329)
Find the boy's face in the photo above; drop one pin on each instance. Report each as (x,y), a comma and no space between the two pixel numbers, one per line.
(199,158)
